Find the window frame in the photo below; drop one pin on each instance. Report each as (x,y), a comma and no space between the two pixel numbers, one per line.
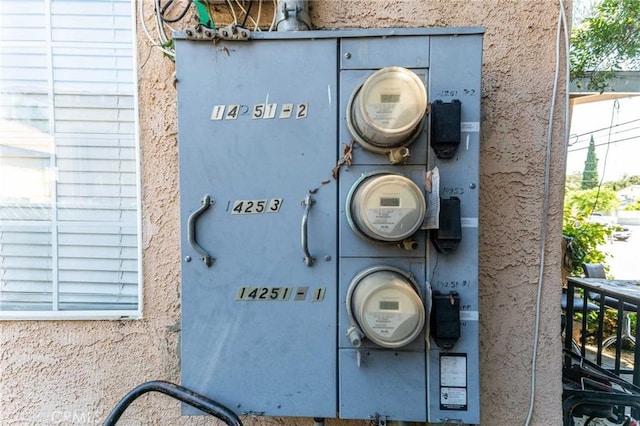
(98,314)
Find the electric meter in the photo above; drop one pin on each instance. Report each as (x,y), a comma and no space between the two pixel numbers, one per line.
(385,207)
(384,305)
(387,111)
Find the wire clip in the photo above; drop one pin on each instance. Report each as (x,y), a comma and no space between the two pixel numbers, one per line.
(230,32)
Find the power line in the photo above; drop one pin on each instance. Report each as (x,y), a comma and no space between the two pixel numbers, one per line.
(605,128)
(614,113)
(597,137)
(605,143)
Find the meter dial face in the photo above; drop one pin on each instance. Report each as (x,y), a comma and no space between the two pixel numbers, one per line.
(387,307)
(393,99)
(385,207)
(388,109)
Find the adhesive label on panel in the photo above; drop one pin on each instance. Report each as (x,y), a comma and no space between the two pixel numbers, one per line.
(263,293)
(453,398)
(287,111)
(249,206)
(302,110)
(218,112)
(301,293)
(258,111)
(270,111)
(470,126)
(453,382)
(453,370)
(274,205)
(255,206)
(469,316)
(318,294)
(233,111)
(469,222)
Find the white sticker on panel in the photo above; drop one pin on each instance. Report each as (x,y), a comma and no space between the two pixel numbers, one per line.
(453,370)
(270,111)
(287,111)
(258,111)
(470,126)
(302,110)
(249,206)
(318,294)
(274,205)
(452,398)
(233,111)
(218,112)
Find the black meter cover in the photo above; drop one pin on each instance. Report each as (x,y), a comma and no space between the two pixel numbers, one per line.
(449,233)
(446,120)
(445,319)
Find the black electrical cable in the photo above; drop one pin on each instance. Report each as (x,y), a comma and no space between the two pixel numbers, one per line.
(178,18)
(244,21)
(180,393)
(164,8)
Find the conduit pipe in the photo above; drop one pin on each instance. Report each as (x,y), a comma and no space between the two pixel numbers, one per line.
(180,393)
(293,15)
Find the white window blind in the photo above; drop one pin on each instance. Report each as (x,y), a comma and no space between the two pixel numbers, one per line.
(69,169)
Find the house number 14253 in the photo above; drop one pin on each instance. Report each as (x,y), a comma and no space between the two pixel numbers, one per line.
(256,206)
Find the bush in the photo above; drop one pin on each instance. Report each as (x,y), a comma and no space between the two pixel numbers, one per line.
(582,239)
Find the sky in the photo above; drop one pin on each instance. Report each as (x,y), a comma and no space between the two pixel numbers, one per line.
(615,127)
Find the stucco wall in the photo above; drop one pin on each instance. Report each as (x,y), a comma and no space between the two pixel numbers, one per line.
(64,372)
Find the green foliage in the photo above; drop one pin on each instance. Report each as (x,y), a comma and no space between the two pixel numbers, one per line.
(584,202)
(583,237)
(606,42)
(610,324)
(573,182)
(590,177)
(623,183)
(582,232)
(633,206)
(171,47)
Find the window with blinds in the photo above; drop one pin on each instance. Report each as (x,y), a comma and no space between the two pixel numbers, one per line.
(69,169)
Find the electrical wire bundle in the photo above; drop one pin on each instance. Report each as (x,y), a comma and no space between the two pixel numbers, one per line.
(164,18)
(162,10)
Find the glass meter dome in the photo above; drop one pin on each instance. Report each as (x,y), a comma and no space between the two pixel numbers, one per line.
(387,111)
(385,207)
(384,306)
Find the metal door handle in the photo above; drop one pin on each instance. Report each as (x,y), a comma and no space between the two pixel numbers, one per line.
(307,203)
(206,202)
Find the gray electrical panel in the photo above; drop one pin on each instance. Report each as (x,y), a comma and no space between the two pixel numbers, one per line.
(329,211)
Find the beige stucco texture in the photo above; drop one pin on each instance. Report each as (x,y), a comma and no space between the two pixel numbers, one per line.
(74,372)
